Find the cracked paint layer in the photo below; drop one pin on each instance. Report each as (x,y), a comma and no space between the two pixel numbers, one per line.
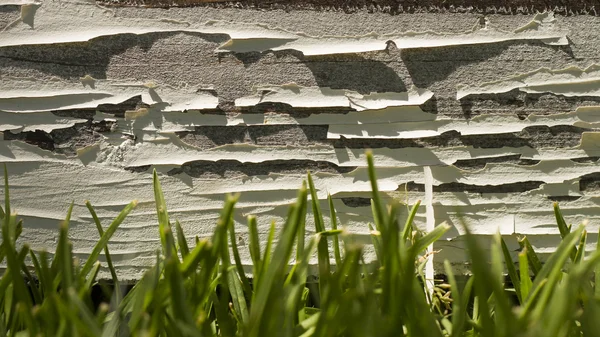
(228,101)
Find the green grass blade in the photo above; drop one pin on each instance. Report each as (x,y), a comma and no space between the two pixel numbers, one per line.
(163,217)
(254,246)
(525,280)
(376,240)
(534,260)
(178,295)
(486,284)
(579,256)
(181,240)
(459,310)
(322,249)
(268,247)
(563,228)
(38,271)
(422,243)
(336,241)
(378,211)
(274,271)
(247,289)
(237,296)
(111,268)
(408,226)
(6,212)
(512,271)
(552,271)
(62,240)
(101,244)
(91,327)
(14,262)
(597,270)
(192,260)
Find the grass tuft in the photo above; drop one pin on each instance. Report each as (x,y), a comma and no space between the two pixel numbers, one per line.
(203,289)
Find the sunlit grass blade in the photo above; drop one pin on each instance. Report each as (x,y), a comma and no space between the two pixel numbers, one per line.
(101,244)
(512,271)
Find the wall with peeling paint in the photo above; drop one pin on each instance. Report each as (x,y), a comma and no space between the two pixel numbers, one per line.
(498,116)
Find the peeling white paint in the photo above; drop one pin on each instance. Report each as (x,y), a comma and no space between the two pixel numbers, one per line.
(43,121)
(570,81)
(318,97)
(585,117)
(87,22)
(26,95)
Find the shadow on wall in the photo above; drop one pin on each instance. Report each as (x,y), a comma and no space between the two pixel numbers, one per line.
(430,65)
(71,60)
(340,71)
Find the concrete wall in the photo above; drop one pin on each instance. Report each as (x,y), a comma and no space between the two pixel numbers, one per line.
(497,114)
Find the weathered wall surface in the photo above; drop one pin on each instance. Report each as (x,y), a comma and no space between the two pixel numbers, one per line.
(497,114)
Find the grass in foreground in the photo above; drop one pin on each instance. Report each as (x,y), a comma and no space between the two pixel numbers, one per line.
(203,290)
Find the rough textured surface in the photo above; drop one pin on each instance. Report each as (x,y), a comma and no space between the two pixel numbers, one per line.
(221,99)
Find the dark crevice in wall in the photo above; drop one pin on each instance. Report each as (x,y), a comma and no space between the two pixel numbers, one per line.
(356,202)
(564,198)
(64,141)
(523,104)
(590,182)
(233,168)
(534,137)
(586,159)
(206,137)
(479,163)
(519,187)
